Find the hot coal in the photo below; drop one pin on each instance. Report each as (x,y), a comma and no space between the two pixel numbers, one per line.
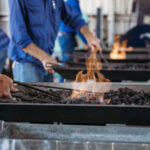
(82,100)
(128,96)
(123,96)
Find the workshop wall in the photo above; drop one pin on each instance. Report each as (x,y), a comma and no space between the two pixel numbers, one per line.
(4,13)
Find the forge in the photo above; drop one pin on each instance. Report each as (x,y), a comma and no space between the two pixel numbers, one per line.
(116,70)
(49,122)
(140,55)
(119,71)
(90,113)
(129,104)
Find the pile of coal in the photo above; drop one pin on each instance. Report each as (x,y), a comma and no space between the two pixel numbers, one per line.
(82,100)
(128,96)
(26,95)
(123,96)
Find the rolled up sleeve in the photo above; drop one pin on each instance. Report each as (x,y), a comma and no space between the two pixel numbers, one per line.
(18,27)
(71,18)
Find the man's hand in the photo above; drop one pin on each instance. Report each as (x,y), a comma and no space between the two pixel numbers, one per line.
(49,60)
(93,42)
(38,53)
(6,86)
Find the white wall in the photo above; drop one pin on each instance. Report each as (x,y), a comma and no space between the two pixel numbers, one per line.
(121,6)
(4,15)
(119,15)
(4,6)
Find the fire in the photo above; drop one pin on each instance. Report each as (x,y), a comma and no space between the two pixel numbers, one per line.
(89,80)
(116,53)
(119,50)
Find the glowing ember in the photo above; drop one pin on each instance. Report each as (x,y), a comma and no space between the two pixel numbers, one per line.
(89,80)
(119,50)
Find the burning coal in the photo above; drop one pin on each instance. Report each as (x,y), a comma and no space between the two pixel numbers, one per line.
(87,82)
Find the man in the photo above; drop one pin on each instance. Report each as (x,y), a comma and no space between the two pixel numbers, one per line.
(137,37)
(6,86)
(34,26)
(4,41)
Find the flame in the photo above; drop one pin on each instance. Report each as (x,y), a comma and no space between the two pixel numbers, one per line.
(119,50)
(88,80)
(116,53)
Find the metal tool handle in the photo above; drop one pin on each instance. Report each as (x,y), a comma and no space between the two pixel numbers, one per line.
(54,66)
(49,65)
(105,60)
(102,56)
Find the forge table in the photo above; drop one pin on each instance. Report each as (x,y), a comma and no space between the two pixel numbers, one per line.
(75,127)
(79,114)
(113,75)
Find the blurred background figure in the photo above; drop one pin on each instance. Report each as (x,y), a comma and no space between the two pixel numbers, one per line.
(67,37)
(4,42)
(139,36)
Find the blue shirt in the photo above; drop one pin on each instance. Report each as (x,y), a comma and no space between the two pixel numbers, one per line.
(74,4)
(4,40)
(37,21)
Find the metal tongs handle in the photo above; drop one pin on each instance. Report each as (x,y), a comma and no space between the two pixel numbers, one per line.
(105,60)
(54,66)
(50,65)
(102,56)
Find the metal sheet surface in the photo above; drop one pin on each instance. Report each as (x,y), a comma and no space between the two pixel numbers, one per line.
(60,145)
(109,133)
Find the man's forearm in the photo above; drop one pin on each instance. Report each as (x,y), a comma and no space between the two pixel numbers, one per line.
(36,52)
(85,30)
(42,56)
(93,42)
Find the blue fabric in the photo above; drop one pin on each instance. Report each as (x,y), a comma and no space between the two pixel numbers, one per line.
(37,21)
(3,57)
(74,4)
(67,43)
(4,40)
(29,72)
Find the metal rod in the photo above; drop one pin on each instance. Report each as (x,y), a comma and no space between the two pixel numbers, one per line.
(72,63)
(64,88)
(105,60)
(61,88)
(35,88)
